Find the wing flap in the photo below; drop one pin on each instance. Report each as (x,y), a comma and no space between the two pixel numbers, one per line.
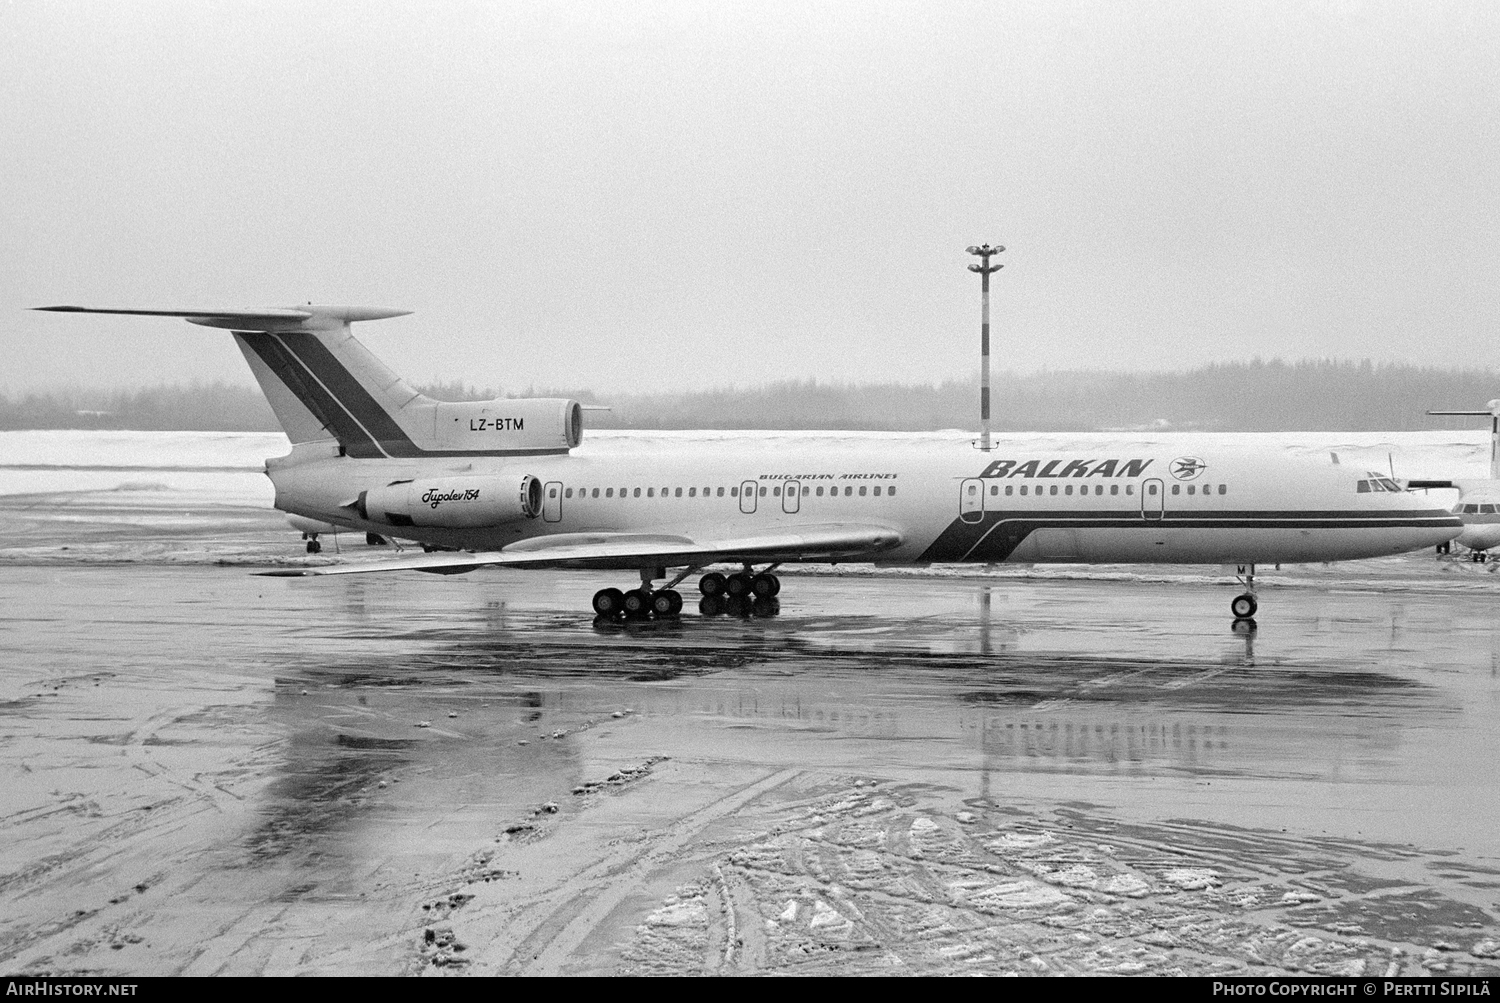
(631,550)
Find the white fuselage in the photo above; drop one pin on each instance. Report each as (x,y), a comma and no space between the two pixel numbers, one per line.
(948,502)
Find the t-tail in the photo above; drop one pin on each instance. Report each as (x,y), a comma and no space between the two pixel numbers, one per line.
(1493,414)
(322,384)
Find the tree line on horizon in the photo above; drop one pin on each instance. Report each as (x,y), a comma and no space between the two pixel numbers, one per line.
(1310,395)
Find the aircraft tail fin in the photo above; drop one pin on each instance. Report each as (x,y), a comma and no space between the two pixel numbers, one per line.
(323,383)
(1493,414)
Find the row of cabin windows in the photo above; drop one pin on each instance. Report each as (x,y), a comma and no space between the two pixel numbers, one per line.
(1114,489)
(734,492)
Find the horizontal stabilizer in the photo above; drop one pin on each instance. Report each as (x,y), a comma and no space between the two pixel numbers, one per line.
(268,319)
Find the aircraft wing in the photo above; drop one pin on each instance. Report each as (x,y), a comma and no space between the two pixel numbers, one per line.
(827,541)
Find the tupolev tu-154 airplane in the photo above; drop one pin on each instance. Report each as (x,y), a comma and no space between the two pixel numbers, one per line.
(507,483)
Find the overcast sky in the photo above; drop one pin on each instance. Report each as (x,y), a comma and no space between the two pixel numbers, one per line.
(652,195)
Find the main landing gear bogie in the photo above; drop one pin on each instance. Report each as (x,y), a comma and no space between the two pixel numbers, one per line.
(741,594)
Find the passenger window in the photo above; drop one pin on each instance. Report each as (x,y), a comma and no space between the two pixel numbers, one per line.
(1190,489)
(1008,489)
(1098,489)
(720,492)
(861,490)
(1130,489)
(806,490)
(637,492)
(733,492)
(877,491)
(1114,489)
(1223,488)
(568,493)
(650,492)
(820,492)
(609,492)
(1053,491)
(1177,489)
(994,489)
(1023,489)
(1068,490)
(595,494)
(692,492)
(762,492)
(848,491)
(775,491)
(1150,489)
(890,490)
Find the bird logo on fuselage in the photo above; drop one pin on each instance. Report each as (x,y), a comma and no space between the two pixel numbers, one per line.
(1185,468)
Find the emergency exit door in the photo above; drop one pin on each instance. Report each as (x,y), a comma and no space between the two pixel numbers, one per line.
(1153,499)
(971,500)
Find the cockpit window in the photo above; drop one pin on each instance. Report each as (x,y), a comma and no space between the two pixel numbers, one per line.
(1364,487)
(1471,509)
(1486,510)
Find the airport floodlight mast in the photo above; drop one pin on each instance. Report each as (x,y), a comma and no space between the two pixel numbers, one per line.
(984,251)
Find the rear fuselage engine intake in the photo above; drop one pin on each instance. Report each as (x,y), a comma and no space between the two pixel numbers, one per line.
(453,502)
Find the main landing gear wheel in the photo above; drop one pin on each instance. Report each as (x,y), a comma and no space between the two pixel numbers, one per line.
(637,603)
(666,603)
(1243,606)
(713,584)
(609,602)
(765,586)
(739,584)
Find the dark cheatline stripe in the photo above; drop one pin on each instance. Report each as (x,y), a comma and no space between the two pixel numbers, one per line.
(323,406)
(1000,533)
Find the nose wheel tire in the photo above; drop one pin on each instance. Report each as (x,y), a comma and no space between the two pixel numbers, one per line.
(1243,606)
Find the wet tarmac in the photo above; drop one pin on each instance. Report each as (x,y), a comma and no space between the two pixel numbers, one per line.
(208,772)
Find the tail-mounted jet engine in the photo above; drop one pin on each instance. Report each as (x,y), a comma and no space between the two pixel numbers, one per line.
(540,425)
(453,502)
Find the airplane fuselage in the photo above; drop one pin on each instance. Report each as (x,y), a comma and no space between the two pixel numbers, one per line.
(943,502)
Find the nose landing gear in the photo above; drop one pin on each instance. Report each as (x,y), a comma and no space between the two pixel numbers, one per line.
(1243,606)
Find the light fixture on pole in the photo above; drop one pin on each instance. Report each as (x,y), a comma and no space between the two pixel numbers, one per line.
(984,269)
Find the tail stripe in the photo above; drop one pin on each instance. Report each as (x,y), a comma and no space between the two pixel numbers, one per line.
(349,392)
(315,397)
